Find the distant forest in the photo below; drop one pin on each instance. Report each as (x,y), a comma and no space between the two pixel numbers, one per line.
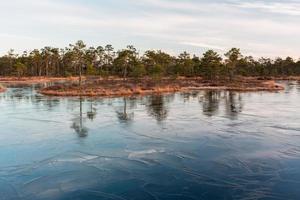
(78,59)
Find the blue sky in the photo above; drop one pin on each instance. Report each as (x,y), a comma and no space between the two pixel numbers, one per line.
(260,28)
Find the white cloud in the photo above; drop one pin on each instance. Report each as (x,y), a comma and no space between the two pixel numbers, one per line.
(174,25)
(203,45)
(168,4)
(19,37)
(286,8)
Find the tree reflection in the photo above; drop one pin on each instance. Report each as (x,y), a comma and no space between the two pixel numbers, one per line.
(187,96)
(123,115)
(231,101)
(22,93)
(157,108)
(233,104)
(91,114)
(210,102)
(78,125)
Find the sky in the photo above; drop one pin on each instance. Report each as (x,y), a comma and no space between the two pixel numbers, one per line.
(264,28)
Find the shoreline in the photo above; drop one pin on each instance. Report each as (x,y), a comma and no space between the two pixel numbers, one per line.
(117,87)
(2,89)
(44,79)
(34,80)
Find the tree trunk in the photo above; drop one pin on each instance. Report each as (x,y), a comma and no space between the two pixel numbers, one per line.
(125,73)
(80,74)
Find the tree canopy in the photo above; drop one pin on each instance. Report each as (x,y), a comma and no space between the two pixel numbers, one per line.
(79,59)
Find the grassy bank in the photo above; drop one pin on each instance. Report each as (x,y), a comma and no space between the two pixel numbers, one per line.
(2,88)
(34,79)
(119,87)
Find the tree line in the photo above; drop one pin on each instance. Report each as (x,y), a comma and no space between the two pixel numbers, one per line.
(78,59)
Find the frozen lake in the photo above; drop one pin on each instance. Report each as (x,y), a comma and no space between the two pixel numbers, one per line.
(201,145)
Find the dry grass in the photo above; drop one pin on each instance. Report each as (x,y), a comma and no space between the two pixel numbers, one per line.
(118,87)
(2,88)
(34,80)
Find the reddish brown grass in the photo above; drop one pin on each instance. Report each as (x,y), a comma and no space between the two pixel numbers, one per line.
(33,80)
(118,87)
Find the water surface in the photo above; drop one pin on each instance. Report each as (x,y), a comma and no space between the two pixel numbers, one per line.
(199,145)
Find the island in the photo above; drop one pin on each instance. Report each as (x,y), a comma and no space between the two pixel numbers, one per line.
(79,70)
(118,87)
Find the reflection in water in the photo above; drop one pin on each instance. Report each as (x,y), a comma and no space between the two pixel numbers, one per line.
(124,116)
(292,86)
(78,125)
(210,102)
(188,96)
(183,159)
(91,114)
(231,101)
(157,106)
(233,104)
(22,93)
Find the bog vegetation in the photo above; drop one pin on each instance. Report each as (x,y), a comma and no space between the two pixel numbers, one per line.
(78,59)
